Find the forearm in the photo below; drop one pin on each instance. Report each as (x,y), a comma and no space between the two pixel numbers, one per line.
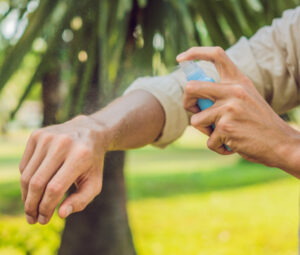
(289,152)
(131,121)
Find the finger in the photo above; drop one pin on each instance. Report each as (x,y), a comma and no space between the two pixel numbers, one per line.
(225,67)
(77,201)
(33,164)
(197,89)
(39,180)
(57,187)
(216,143)
(29,150)
(204,120)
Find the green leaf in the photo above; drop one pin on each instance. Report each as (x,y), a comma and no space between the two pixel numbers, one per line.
(142,3)
(14,56)
(208,13)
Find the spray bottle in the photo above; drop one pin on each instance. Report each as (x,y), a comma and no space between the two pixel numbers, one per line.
(194,73)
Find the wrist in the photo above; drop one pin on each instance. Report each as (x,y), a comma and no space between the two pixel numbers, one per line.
(98,130)
(290,153)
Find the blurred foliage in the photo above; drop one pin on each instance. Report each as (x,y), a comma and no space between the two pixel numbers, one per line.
(15,237)
(119,38)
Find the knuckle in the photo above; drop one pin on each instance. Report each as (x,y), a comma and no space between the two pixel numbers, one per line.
(35,134)
(29,210)
(219,51)
(83,151)
(190,87)
(210,144)
(230,107)
(21,167)
(36,183)
(239,92)
(45,137)
(224,127)
(25,179)
(64,140)
(55,188)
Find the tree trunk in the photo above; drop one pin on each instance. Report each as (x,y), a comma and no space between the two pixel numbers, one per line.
(50,93)
(102,228)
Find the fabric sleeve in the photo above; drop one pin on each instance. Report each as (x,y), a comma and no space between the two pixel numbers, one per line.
(271,59)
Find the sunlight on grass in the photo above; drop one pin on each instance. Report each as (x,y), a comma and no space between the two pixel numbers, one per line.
(18,237)
(256,220)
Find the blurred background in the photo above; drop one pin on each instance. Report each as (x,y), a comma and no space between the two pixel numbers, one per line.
(60,58)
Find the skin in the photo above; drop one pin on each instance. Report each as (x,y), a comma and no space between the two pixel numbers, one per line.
(244,120)
(73,152)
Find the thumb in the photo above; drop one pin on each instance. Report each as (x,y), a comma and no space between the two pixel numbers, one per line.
(78,200)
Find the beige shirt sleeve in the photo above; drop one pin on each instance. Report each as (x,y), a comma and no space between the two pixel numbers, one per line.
(271,59)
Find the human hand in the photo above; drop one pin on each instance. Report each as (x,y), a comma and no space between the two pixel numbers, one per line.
(56,157)
(243,119)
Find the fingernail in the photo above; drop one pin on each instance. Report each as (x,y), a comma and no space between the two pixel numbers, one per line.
(180,56)
(30,219)
(42,219)
(69,210)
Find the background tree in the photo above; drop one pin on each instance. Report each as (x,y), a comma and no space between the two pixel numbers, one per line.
(89,51)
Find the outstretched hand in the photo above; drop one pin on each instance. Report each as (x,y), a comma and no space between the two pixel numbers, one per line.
(243,120)
(54,159)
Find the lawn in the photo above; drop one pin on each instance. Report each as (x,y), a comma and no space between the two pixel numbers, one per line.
(182,200)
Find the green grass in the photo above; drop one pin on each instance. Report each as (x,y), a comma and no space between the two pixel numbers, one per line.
(254,220)
(182,200)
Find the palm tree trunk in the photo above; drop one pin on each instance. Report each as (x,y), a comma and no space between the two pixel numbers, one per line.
(50,93)
(102,228)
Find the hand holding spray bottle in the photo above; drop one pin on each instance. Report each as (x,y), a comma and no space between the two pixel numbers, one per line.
(194,73)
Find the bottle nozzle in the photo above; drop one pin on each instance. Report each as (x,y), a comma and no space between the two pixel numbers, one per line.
(190,68)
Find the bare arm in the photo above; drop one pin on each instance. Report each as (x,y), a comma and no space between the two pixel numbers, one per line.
(73,152)
(132,121)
